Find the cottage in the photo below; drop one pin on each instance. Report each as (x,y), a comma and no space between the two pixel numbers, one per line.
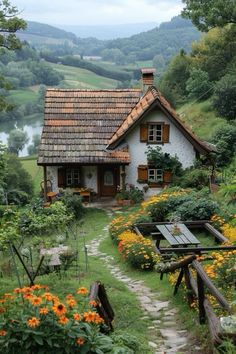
(97,139)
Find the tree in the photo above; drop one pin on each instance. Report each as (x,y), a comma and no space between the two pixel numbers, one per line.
(225,96)
(33,148)
(198,84)
(206,14)
(18,185)
(9,24)
(17,140)
(225,139)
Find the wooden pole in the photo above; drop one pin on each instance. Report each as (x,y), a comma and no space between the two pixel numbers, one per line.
(201,298)
(45,183)
(123,177)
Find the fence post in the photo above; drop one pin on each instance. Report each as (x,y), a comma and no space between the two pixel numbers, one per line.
(201,298)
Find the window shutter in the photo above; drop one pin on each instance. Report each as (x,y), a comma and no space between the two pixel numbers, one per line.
(143,133)
(61,177)
(166,133)
(167,176)
(142,174)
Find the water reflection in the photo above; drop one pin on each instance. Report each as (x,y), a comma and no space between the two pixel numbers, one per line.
(31,127)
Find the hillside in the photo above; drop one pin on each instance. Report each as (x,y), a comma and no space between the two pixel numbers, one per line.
(165,41)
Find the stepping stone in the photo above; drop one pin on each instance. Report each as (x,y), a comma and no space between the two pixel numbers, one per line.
(152,345)
(145,299)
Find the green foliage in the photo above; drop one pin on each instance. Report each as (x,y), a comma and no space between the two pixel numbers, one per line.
(33,148)
(187,206)
(131,193)
(198,84)
(17,183)
(26,330)
(225,96)
(16,140)
(194,178)
(10,23)
(206,14)
(140,256)
(176,76)
(73,202)
(224,140)
(163,160)
(41,220)
(197,209)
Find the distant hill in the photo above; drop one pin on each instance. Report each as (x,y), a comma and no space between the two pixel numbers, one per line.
(109,31)
(44,30)
(163,41)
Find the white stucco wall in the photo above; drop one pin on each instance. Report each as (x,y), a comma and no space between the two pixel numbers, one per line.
(90,177)
(52,175)
(178,145)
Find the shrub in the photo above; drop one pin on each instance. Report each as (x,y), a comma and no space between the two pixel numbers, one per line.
(225,96)
(197,209)
(136,195)
(137,250)
(194,178)
(73,203)
(43,220)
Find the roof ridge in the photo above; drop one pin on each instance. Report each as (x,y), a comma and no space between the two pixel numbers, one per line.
(92,90)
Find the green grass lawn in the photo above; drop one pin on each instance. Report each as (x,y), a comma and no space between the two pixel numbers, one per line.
(23,96)
(201,118)
(35,171)
(83,79)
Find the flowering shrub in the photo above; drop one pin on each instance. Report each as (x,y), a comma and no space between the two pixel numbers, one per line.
(33,320)
(137,250)
(228,229)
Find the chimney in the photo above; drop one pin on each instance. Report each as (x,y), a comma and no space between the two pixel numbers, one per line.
(147,78)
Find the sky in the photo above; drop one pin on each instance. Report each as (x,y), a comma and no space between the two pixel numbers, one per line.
(97,12)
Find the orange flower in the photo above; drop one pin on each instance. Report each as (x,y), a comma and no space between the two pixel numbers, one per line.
(63,320)
(77,316)
(36,300)
(17,290)
(92,317)
(43,311)
(26,289)
(2,333)
(8,296)
(36,287)
(82,291)
(80,341)
(27,295)
(33,322)
(71,302)
(48,296)
(93,303)
(69,296)
(59,309)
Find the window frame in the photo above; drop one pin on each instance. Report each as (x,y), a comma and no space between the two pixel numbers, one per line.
(73,174)
(158,175)
(154,126)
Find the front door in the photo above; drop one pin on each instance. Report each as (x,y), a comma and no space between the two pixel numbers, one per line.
(108,180)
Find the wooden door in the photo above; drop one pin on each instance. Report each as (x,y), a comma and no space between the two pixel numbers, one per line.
(108,180)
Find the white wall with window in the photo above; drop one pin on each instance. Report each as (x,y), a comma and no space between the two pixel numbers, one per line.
(177,145)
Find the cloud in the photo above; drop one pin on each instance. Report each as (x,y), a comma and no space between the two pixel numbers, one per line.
(92,12)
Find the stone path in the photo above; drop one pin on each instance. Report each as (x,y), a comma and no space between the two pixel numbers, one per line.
(167,337)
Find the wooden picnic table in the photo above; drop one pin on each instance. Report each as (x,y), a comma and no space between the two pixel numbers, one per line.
(184,238)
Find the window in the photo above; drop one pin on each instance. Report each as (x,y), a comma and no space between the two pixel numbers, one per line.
(155,133)
(108,178)
(72,177)
(155,175)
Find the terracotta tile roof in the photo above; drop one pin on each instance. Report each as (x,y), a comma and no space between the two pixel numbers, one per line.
(79,123)
(154,97)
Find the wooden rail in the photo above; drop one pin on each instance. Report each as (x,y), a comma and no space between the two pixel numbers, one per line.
(104,309)
(197,288)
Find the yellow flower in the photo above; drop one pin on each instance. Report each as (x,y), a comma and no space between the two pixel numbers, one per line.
(59,309)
